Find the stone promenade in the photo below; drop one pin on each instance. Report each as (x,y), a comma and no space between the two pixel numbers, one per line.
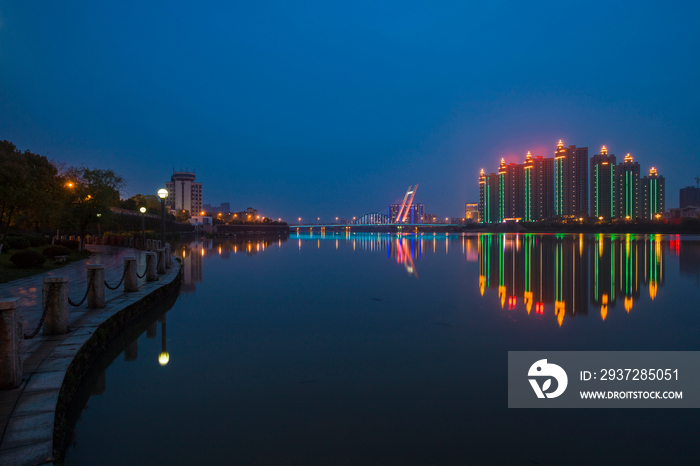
(27,413)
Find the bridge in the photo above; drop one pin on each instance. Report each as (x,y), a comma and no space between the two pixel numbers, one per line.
(383,228)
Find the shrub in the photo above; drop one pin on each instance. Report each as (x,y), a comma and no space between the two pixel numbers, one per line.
(25,259)
(55,250)
(35,240)
(17,242)
(70,243)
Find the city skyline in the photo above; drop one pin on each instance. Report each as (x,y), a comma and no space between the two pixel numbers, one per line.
(330,110)
(571,186)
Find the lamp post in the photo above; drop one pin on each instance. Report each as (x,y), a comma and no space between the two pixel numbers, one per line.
(162,194)
(98,225)
(143,227)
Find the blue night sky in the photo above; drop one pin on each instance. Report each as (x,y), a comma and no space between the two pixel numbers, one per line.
(328,109)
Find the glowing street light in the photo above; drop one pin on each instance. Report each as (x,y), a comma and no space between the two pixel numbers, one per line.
(162,194)
(143,227)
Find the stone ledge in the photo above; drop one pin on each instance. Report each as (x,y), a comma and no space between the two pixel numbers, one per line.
(34,433)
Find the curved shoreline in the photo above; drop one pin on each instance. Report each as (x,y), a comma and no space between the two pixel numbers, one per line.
(36,427)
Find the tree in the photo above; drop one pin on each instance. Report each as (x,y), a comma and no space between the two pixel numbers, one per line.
(151,202)
(182,215)
(28,184)
(92,192)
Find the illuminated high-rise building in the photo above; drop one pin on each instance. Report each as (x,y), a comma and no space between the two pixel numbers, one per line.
(528,188)
(627,189)
(603,181)
(653,195)
(488,198)
(570,181)
(538,188)
(511,198)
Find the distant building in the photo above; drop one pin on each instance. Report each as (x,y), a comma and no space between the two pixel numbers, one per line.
(689,196)
(224,208)
(685,212)
(511,182)
(570,181)
(202,224)
(653,195)
(184,193)
(488,198)
(416,213)
(471,213)
(249,214)
(429,218)
(628,202)
(538,188)
(603,185)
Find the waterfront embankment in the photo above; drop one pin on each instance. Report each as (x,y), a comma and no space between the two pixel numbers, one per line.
(33,415)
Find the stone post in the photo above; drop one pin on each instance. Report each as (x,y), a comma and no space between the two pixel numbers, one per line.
(161,261)
(11,337)
(56,322)
(168,264)
(131,280)
(148,245)
(152,261)
(96,293)
(131,242)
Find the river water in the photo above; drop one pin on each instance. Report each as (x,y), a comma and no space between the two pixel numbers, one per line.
(367,348)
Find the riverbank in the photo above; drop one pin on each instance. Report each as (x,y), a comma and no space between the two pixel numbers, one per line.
(32,416)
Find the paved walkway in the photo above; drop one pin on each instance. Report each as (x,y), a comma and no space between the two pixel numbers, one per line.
(27,413)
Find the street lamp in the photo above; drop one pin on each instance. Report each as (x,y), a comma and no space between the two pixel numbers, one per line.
(162,194)
(143,227)
(98,225)
(299,220)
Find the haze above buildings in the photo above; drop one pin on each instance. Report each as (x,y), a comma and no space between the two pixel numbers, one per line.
(321,109)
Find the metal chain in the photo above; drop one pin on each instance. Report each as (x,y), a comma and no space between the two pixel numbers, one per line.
(118,284)
(43,314)
(148,259)
(92,279)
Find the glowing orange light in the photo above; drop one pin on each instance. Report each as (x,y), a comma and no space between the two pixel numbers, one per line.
(559,308)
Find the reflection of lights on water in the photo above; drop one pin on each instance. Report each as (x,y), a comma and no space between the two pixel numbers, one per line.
(163,358)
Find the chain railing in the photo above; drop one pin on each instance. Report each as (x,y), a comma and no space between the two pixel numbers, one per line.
(118,284)
(148,259)
(43,314)
(92,279)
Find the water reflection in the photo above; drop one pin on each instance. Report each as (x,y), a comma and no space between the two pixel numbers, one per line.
(94,382)
(333,334)
(192,253)
(566,274)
